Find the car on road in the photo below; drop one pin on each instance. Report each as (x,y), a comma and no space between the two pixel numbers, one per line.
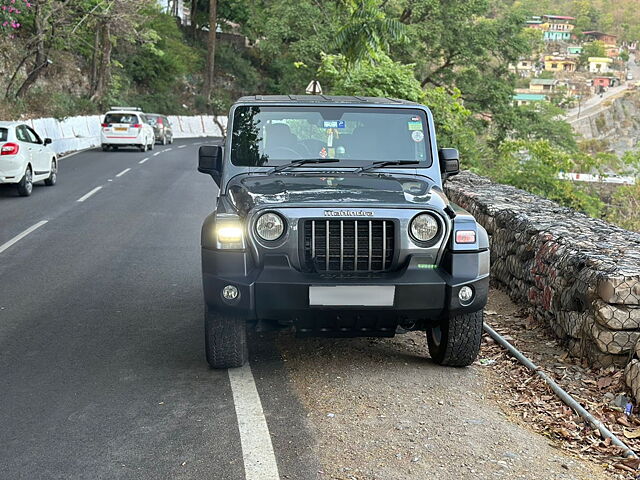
(331,218)
(161,128)
(26,158)
(126,127)
(629,76)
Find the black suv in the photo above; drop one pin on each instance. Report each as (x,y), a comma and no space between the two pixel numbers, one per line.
(331,218)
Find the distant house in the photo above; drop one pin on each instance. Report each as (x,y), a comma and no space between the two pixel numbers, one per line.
(574,50)
(524,68)
(528,98)
(535,23)
(553,36)
(607,39)
(557,28)
(554,63)
(600,64)
(545,85)
(604,82)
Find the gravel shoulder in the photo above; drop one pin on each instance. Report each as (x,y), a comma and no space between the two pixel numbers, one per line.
(379,409)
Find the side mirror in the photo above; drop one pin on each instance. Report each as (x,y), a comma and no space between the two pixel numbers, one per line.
(449,162)
(48,141)
(210,161)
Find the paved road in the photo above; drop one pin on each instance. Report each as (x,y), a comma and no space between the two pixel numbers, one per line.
(594,103)
(102,370)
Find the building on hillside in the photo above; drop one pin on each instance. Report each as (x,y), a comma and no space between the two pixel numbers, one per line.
(524,68)
(605,82)
(557,28)
(543,85)
(600,64)
(528,98)
(535,23)
(607,39)
(574,50)
(555,63)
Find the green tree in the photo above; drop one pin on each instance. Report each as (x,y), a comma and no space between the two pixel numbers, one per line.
(367,32)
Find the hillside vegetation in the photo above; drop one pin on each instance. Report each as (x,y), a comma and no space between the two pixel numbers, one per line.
(66,57)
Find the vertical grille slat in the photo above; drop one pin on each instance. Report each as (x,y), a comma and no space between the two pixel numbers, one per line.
(348,245)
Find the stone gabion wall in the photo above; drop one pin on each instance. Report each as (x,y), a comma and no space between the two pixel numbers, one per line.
(578,274)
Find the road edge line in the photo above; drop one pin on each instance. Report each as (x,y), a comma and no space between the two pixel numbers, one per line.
(257,450)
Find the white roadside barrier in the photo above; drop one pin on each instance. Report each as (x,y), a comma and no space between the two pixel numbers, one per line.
(79,133)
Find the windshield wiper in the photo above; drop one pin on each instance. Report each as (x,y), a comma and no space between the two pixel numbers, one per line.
(384,164)
(303,161)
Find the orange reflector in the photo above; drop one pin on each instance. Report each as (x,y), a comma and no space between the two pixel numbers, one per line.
(465,236)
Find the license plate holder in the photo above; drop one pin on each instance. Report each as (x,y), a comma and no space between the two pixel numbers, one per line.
(120,129)
(352,296)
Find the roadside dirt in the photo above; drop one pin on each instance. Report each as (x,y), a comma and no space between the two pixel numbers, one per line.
(381,410)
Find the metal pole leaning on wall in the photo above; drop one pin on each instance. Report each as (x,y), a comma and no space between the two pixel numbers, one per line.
(562,394)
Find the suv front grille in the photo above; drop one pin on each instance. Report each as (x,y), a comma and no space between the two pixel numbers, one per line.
(349,245)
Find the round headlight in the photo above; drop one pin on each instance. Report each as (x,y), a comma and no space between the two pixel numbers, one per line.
(270,226)
(424,227)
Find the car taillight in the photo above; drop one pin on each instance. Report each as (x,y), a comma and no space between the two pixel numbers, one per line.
(159,121)
(136,125)
(105,125)
(10,149)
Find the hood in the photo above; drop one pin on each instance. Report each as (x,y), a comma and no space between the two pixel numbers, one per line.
(335,189)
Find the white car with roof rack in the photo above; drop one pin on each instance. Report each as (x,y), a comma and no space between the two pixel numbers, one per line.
(126,127)
(25,158)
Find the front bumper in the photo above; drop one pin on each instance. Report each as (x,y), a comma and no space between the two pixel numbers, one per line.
(279,292)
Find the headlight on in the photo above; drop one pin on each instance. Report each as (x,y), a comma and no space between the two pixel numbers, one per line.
(270,226)
(424,227)
(230,235)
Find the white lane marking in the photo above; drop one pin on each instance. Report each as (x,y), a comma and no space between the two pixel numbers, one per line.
(167,149)
(257,450)
(110,180)
(156,154)
(182,146)
(84,197)
(69,155)
(123,172)
(20,236)
(143,160)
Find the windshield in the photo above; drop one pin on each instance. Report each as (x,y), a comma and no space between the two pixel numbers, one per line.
(271,136)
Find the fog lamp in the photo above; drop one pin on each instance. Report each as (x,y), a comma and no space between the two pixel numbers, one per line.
(465,294)
(230,292)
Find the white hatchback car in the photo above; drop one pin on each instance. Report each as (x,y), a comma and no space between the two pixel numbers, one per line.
(25,158)
(126,127)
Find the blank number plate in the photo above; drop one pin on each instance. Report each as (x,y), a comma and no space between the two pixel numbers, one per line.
(352,296)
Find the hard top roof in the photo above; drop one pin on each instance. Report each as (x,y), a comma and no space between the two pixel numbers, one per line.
(9,124)
(323,100)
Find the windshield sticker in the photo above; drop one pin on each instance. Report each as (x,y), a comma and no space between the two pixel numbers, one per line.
(417,136)
(334,124)
(323,153)
(415,126)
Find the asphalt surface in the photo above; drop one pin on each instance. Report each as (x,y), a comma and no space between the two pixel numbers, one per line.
(102,368)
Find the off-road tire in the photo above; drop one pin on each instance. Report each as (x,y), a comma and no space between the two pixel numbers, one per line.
(53,176)
(225,338)
(456,341)
(25,186)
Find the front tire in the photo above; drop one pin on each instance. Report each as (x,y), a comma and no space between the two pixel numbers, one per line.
(53,176)
(456,341)
(25,187)
(225,339)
